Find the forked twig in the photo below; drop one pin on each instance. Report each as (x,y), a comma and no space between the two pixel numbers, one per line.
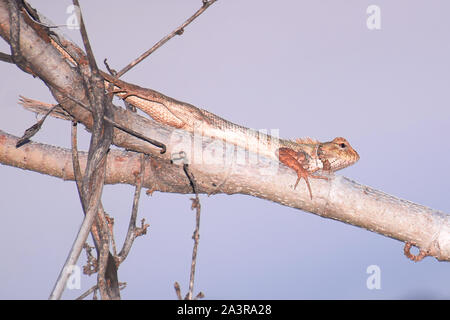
(134,231)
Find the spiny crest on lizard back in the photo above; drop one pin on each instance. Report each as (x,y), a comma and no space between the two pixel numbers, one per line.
(307,140)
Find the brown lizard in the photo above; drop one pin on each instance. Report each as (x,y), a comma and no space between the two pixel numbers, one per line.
(304,156)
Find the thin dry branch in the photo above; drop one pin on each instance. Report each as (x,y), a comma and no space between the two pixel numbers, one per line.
(93,179)
(101,225)
(94,288)
(196,235)
(134,231)
(178,31)
(6,57)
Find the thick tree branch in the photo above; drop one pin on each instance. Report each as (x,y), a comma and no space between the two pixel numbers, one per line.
(340,198)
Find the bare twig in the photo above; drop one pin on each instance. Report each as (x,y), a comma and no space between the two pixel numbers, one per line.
(88,292)
(101,236)
(199,295)
(133,231)
(31,131)
(86,43)
(101,139)
(6,57)
(102,283)
(94,288)
(94,175)
(160,43)
(75,160)
(177,288)
(196,236)
(79,242)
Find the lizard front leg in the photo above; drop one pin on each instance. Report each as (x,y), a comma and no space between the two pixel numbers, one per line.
(296,160)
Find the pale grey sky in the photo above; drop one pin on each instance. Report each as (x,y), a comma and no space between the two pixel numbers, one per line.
(307,68)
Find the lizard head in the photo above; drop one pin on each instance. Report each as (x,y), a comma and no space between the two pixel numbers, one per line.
(337,154)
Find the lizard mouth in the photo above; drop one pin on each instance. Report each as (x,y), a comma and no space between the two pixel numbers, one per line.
(337,163)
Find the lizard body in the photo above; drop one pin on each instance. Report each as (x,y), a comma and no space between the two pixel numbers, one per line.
(304,156)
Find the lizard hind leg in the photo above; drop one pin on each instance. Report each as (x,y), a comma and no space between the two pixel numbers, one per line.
(299,177)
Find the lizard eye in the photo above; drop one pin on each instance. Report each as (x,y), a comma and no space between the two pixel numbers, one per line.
(342,145)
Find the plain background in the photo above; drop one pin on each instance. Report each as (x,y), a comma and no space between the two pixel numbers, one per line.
(307,68)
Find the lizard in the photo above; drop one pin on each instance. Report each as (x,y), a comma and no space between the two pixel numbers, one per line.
(304,156)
